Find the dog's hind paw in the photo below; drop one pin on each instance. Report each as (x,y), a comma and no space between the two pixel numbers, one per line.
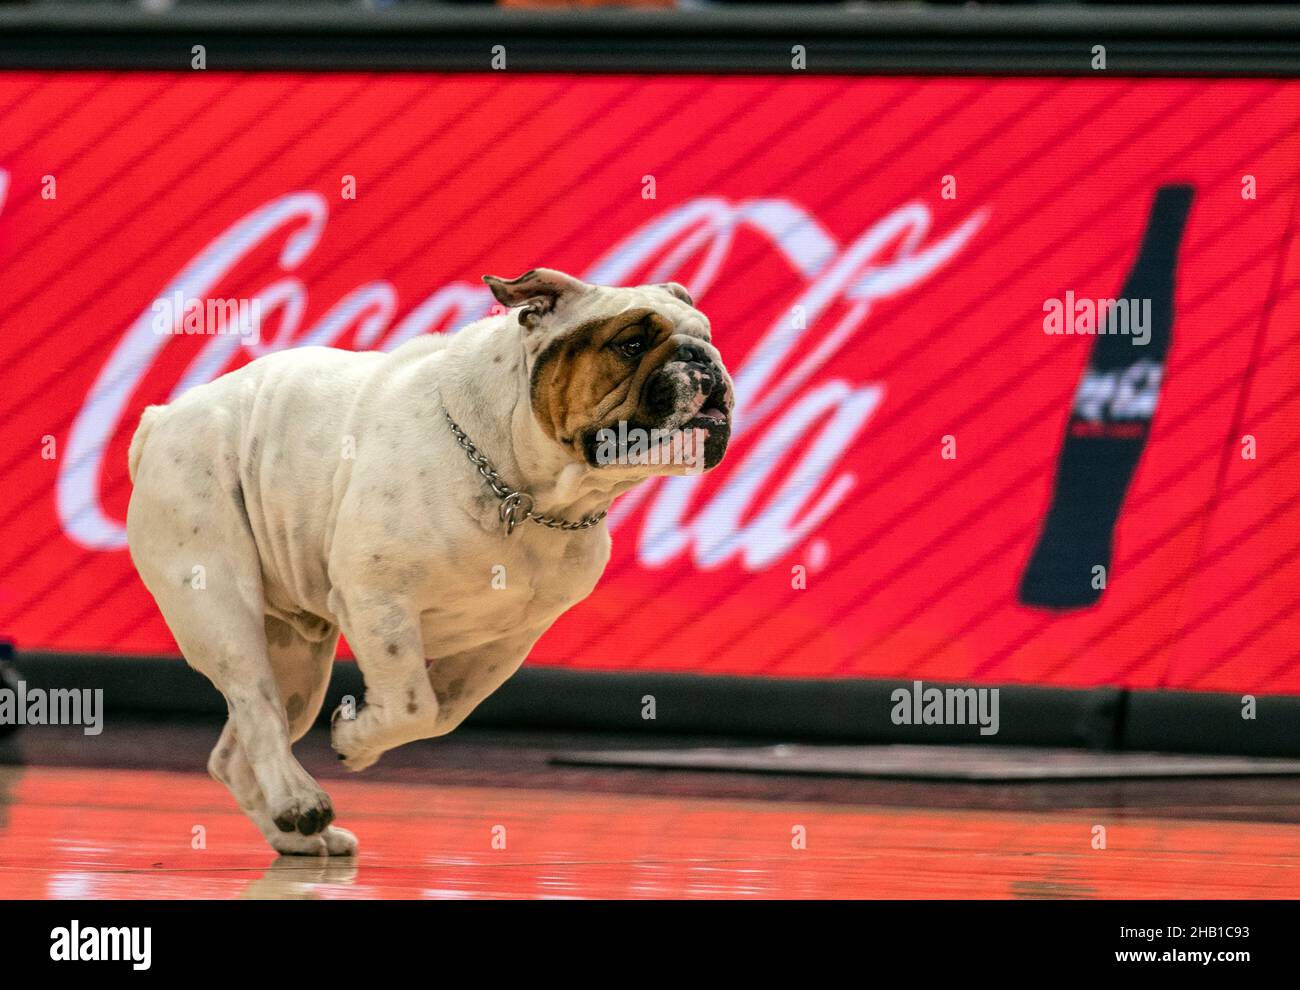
(339,841)
(306,814)
(293,844)
(334,841)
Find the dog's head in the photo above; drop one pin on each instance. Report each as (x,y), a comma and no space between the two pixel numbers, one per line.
(622,376)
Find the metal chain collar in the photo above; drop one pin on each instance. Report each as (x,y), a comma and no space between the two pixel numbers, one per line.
(515,505)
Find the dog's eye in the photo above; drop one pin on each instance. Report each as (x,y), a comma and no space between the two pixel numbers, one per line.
(632,348)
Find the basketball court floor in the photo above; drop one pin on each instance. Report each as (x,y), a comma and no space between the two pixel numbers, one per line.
(489,815)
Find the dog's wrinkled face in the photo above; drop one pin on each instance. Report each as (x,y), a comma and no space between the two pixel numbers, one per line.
(622,376)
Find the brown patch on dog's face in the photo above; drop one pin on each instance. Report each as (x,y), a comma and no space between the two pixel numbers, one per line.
(590,372)
(643,371)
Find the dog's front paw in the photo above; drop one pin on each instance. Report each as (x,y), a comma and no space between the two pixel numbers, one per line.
(306,813)
(358,760)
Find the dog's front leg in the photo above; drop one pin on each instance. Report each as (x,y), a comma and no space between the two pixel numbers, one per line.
(400,705)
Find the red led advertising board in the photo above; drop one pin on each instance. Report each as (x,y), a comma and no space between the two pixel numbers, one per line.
(901,275)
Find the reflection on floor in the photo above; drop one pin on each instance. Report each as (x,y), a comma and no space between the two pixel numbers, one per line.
(486,816)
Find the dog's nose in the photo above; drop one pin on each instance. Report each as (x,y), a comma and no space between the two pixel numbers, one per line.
(691,355)
(705,377)
(702,367)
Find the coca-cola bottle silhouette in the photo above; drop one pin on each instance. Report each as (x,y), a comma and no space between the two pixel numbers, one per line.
(1110,421)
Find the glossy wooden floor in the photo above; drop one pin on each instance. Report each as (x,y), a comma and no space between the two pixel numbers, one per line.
(72,832)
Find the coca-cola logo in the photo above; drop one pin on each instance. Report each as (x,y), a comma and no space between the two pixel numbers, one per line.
(892,256)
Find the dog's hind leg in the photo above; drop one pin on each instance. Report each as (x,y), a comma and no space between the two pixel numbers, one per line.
(302,670)
(194,549)
(230,766)
(230,649)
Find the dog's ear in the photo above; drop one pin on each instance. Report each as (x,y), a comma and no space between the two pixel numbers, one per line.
(537,291)
(679,290)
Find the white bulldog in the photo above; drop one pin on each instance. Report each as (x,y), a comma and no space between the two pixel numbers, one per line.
(441,505)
